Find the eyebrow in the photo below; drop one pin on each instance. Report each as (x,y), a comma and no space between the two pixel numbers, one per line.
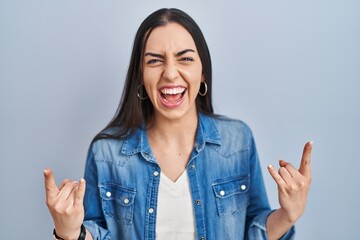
(183,52)
(176,55)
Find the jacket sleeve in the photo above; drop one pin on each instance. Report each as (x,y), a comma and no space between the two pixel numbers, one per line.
(94,220)
(259,208)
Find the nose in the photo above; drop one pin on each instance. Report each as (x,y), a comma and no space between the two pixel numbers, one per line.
(171,72)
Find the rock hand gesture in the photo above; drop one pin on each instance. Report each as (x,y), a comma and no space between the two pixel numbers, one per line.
(293,188)
(65,204)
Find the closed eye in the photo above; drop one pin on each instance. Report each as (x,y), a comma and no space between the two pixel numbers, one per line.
(187,59)
(153,61)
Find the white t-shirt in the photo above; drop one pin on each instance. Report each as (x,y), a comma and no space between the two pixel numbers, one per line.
(175,213)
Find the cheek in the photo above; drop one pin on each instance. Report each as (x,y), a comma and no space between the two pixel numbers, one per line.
(150,90)
(195,85)
(146,75)
(193,73)
(198,72)
(149,79)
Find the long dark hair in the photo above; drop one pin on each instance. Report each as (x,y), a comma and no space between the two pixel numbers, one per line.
(132,111)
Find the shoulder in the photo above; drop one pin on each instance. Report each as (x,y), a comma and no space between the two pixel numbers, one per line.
(232,127)
(105,146)
(235,135)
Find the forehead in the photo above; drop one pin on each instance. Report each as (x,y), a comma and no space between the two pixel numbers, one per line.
(171,37)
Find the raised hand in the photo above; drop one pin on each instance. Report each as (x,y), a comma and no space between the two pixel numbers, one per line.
(65,205)
(293,185)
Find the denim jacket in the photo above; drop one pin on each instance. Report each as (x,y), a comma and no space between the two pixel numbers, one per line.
(226,184)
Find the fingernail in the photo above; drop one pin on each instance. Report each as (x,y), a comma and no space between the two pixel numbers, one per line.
(82,180)
(270,166)
(311,143)
(283,163)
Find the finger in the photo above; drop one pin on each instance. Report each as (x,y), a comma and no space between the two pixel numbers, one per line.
(286,176)
(275,175)
(72,195)
(305,160)
(283,163)
(50,185)
(79,198)
(67,190)
(64,182)
(292,170)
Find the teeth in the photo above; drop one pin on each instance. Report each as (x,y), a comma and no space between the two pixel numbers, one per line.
(172,91)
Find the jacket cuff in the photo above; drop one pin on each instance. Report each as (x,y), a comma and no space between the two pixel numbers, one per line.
(97,232)
(257,228)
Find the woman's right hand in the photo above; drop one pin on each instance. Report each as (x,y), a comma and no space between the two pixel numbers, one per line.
(65,205)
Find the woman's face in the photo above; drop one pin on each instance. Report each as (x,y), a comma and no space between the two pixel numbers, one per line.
(172,72)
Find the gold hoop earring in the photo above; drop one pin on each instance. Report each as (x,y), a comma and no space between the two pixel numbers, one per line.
(206,89)
(138,94)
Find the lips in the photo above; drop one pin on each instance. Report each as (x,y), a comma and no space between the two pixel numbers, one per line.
(172,96)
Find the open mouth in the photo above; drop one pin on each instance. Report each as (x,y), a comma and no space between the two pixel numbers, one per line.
(172,95)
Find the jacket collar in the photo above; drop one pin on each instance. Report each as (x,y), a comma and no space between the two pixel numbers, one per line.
(207,132)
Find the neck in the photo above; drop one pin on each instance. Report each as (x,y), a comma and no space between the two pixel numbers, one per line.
(178,130)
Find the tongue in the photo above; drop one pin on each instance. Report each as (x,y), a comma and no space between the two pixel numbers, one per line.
(172,97)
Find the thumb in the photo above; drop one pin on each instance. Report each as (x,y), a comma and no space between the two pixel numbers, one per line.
(306,159)
(50,185)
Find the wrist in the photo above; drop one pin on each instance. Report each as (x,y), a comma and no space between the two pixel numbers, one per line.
(61,235)
(285,215)
(80,234)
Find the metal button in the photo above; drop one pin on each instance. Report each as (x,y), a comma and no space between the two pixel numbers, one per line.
(243,187)
(108,194)
(156,173)
(202,238)
(222,192)
(198,202)
(151,210)
(192,166)
(126,201)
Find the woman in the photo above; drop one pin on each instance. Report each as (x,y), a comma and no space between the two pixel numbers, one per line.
(166,167)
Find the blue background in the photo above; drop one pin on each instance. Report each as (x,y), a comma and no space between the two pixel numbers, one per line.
(290,69)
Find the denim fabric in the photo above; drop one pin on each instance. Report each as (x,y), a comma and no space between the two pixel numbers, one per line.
(227,187)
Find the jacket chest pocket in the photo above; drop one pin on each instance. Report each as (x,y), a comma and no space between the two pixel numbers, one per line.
(231,194)
(118,202)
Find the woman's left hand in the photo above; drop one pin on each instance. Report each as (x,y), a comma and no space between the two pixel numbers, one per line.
(293,185)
